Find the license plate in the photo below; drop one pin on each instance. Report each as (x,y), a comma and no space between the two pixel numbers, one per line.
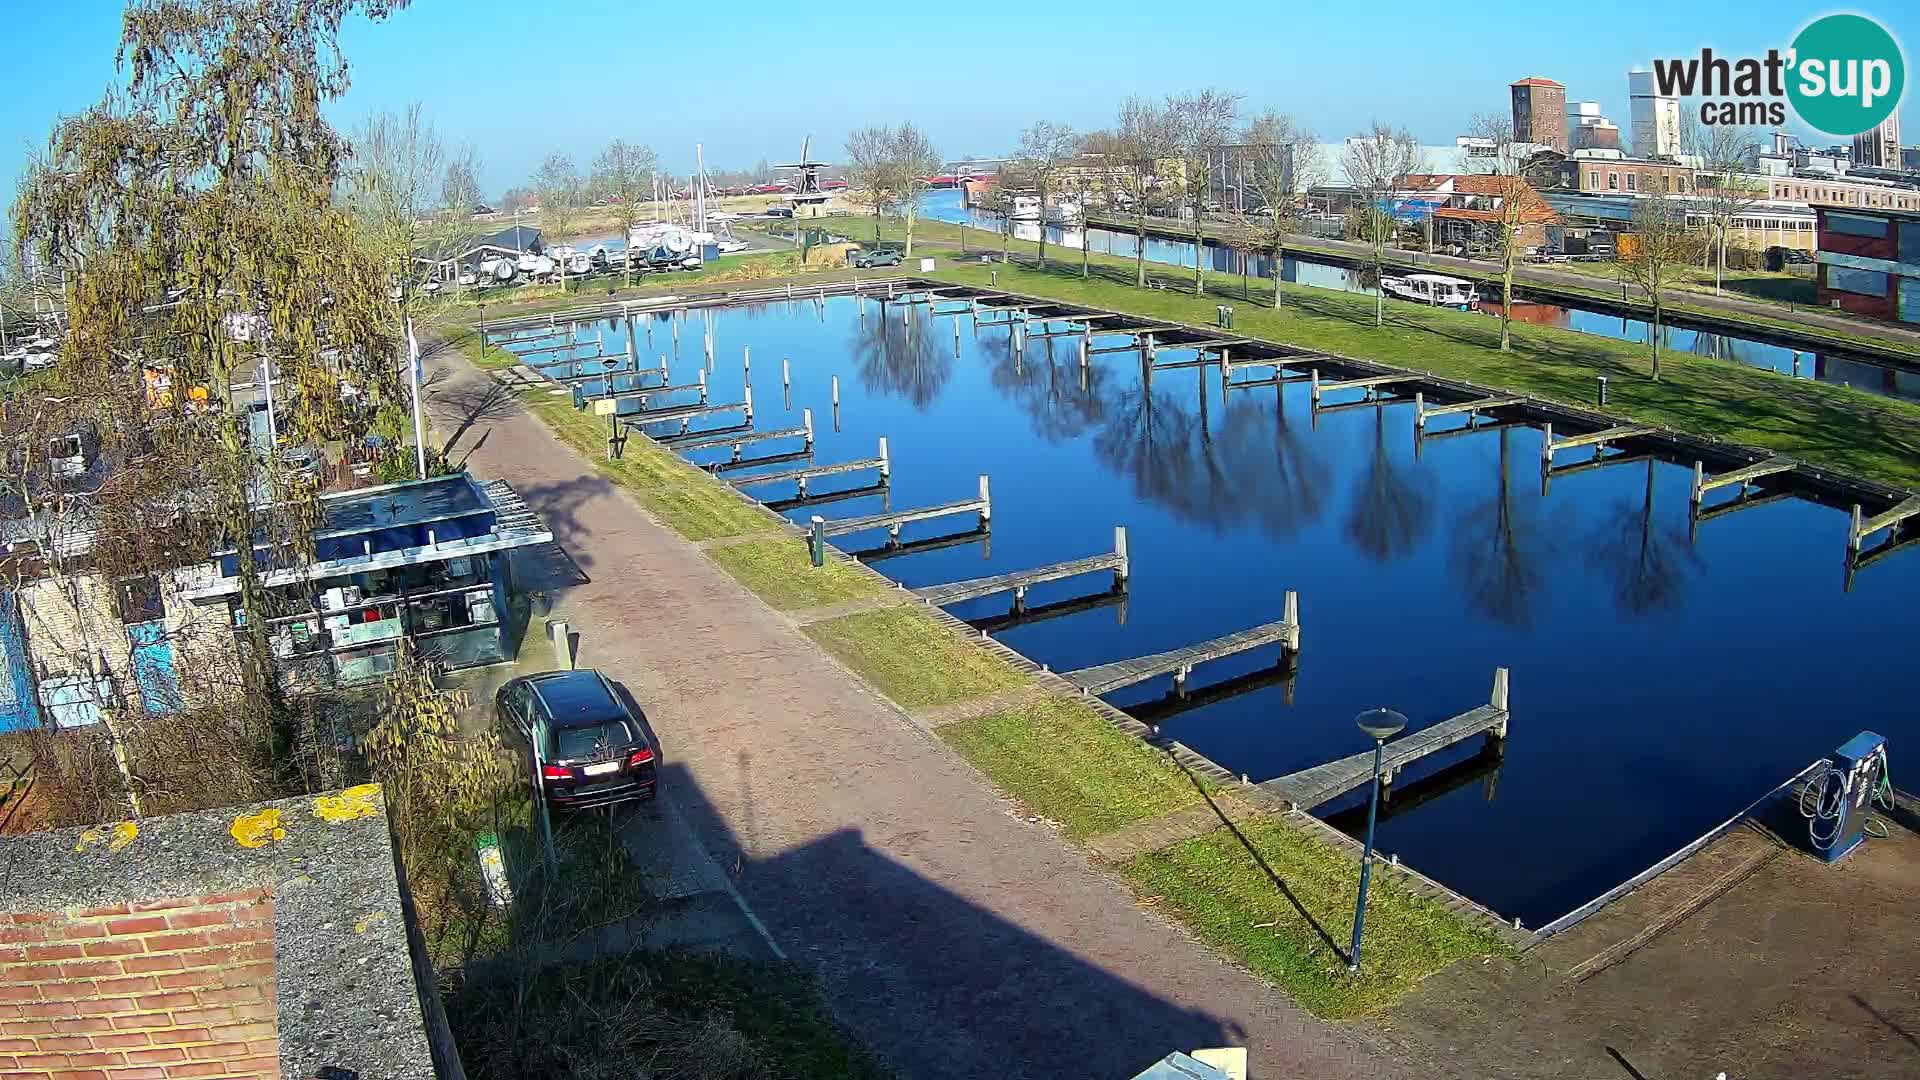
(601,769)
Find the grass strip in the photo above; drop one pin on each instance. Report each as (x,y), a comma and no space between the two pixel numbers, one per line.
(913,659)
(1281,902)
(779,572)
(687,500)
(1064,762)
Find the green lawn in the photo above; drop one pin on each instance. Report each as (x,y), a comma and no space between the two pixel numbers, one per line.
(912,659)
(1281,902)
(1064,762)
(1842,428)
(780,572)
(683,497)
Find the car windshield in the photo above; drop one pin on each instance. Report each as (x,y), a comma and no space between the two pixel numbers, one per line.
(588,740)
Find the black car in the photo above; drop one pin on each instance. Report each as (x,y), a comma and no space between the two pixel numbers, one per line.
(583,743)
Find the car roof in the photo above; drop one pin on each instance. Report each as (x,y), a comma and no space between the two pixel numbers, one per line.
(577,698)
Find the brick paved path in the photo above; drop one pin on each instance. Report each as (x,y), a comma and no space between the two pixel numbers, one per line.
(954,938)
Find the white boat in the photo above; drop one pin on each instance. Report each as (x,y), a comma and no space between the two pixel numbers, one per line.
(728,247)
(1436,290)
(468,279)
(1024,208)
(659,242)
(1064,212)
(579,263)
(528,263)
(497,269)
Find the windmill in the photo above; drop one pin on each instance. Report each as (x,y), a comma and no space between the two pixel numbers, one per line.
(808,199)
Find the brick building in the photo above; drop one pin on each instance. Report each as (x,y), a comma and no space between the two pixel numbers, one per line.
(1540,112)
(1869,262)
(260,941)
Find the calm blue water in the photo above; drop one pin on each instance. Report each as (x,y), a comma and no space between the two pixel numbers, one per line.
(1658,686)
(945,205)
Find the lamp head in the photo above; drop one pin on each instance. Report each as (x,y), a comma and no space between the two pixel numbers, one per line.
(1381,724)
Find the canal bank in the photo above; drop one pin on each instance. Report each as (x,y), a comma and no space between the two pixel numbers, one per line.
(1804,329)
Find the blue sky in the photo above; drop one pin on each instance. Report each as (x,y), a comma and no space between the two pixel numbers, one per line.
(749,79)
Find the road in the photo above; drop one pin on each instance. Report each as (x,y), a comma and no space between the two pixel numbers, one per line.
(954,937)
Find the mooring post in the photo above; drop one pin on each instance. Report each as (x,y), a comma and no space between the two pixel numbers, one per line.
(1419,409)
(1152,351)
(836,391)
(1124,570)
(1853,531)
(789,290)
(1546,445)
(746,361)
(1019,598)
(886,463)
(1290,614)
(889,290)
(1499,699)
(806,425)
(703,385)
(747,396)
(633,361)
(1313,387)
(663,365)
(986,503)
(1699,482)
(817,540)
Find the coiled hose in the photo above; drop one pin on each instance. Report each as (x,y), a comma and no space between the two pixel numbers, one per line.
(1824,800)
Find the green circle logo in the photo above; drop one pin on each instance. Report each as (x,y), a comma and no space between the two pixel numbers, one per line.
(1848,74)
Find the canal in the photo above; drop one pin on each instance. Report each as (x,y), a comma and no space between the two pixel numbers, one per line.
(1658,685)
(945,205)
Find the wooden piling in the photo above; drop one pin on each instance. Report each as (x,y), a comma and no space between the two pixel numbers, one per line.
(1546,444)
(1125,570)
(836,391)
(1420,410)
(986,503)
(1314,387)
(1700,485)
(886,462)
(1853,531)
(747,399)
(806,421)
(786,373)
(746,361)
(1290,614)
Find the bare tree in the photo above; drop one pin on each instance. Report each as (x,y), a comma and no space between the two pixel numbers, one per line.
(1045,149)
(1200,124)
(1131,169)
(1513,203)
(870,175)
(1282,161)
(913,160)
(625,172)
(1724,183)
(1377,165)
(397,162)
(460,188)
(1655,254)
(558,187)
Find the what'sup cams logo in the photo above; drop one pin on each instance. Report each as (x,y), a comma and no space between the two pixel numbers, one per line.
(1843,75)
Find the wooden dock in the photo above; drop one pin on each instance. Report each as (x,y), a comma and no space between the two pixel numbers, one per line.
(1106,678)
(1180,700)
(1891,518)
(564,347)
(1018,581)
(609,404)
(804,474)
(893,519)
(894,548)
(1702,483)
(1550,446)
(1473,408)
(1475,426)
(1550,472)
(689,443)
(1370,383)
(1308,788)
(1058,609)
(684,413)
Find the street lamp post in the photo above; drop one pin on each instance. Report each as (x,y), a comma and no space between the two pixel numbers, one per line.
(1380,725)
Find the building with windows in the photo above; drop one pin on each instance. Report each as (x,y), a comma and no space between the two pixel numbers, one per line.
(1869,262)
(1540,112)
(424,561)
(1654,119)
(1880,147)
(1587,129)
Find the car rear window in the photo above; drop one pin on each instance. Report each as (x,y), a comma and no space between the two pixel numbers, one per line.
(590,740)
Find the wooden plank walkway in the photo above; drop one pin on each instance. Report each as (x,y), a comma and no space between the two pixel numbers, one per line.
(1308,788)
(954,592)
(609,404)
(1550,446)
(688,443)
(893,519)
(1421,413)
(1890,518)
(1702,483)
(1369,383)
(802,475)
(1105,678)
(684,413)
(894,548)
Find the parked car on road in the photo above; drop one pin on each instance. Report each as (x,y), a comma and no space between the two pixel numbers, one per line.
(584,746)
(866,260)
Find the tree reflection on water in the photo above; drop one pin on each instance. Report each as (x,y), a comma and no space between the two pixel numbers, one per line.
(904,360)
(1650,565)
(1390,513)
(1501,549)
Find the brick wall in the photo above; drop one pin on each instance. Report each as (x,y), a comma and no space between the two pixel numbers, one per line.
(146,990)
